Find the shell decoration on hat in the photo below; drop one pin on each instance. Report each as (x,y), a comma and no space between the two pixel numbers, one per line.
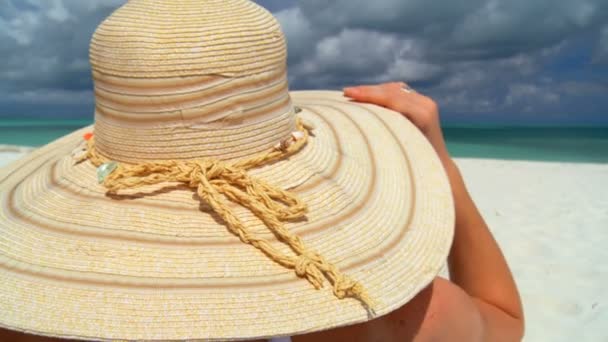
(208,201)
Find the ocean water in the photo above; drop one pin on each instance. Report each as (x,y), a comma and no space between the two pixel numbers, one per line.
(571,144)
(568,144)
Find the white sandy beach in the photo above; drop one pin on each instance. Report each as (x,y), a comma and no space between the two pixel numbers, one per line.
(551,220)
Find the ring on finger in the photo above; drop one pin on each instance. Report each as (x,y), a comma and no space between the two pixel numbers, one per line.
(406,88)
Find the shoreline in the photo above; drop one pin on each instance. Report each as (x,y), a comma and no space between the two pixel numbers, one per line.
(6,149)
(16,149)
(549,219)
(11,153)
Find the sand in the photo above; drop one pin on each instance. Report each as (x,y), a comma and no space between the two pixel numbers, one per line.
(551,220)
(10,153)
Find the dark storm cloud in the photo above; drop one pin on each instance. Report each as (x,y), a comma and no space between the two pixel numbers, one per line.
(445,31)
(474,56)
(601,53)
(44,47)
(474,25)
(480,58)
(44,44)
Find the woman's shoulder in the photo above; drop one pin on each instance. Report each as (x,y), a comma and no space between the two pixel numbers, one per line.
(442,311)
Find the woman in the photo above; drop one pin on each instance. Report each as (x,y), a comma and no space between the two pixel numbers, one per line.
(479,303)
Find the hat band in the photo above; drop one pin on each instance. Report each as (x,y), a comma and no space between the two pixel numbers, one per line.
(213,178)
(218,117)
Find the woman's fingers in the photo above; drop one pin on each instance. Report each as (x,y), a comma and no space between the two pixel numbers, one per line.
(370,94)
(389,95)
(381,94)
(421,110)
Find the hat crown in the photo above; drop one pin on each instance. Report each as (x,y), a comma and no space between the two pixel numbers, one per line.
(186,79)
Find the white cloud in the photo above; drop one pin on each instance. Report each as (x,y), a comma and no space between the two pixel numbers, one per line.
(298,31)
(530,93)
(359,55)
(601,52)
(411,70)
(57,11)
(44,44)
(355,50)
(20,28)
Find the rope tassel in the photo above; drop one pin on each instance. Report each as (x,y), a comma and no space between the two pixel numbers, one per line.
(217,181)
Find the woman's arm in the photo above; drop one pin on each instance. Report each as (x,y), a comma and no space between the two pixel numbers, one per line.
(478,266)
(476,263)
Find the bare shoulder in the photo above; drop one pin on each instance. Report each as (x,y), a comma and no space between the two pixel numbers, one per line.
(441,312)
(16,336)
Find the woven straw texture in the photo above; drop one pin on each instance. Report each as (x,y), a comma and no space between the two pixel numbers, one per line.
(76,263)
(183,80)
(180,79)
(160,38)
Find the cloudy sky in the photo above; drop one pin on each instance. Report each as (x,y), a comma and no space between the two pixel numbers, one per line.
(484,61)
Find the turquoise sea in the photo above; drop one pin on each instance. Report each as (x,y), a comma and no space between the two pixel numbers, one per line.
(572,144)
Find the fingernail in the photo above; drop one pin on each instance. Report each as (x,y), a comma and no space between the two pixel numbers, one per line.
(350,91)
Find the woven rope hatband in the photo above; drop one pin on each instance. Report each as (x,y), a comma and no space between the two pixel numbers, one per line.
(213,178)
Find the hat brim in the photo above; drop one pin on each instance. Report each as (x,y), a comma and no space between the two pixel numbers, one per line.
(154,263)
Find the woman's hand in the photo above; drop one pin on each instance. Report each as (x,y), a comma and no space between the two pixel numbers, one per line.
(476,262)
(421,110)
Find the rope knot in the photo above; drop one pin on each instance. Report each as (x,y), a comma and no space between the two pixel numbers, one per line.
(344,286)
(301,265)
(306,265)
(210,168)
(217,181)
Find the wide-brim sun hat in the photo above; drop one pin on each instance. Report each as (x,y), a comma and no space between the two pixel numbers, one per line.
(209,202)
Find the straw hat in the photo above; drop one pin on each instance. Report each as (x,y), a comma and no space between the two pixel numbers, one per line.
(209,202)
